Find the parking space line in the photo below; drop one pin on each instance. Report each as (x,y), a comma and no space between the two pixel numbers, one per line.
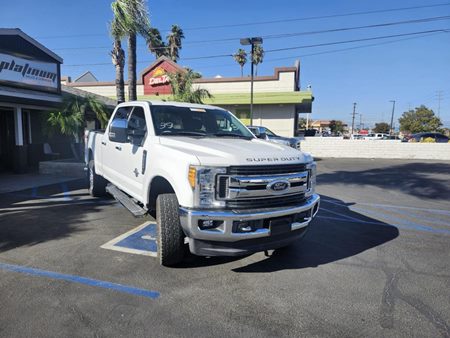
(399,226)
(80,280)
(65,191)
(439,211)
(23,208)
(113,244)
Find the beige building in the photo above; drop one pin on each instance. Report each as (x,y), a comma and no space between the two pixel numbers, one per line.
(277,98)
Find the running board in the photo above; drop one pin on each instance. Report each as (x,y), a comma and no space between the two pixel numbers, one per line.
(126,201)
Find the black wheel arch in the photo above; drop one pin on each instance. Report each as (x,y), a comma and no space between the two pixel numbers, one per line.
(159,185)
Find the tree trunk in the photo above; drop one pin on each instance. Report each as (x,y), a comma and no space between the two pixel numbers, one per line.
(120,84)
(119,63)
(242,71)
(132,96)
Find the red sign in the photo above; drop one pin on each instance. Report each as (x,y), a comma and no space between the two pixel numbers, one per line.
(159,77)
(155,78)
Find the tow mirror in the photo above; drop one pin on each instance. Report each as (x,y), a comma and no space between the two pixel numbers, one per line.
(262,136)
(118,131)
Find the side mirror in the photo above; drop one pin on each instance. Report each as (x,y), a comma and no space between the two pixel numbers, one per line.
(118,131)
(262,136)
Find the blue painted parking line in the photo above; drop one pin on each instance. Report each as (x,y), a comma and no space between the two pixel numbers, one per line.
(437,211)
(398,226)
(66,192)
(384,218)
(141,240)
(80,280)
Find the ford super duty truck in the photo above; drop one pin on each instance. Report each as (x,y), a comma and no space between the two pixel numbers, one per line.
(207,180)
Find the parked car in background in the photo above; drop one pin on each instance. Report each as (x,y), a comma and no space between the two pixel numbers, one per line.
(390,137)
(426,137)
(375,136)
(266,134)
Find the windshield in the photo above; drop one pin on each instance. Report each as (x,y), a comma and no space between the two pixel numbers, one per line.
(189,121)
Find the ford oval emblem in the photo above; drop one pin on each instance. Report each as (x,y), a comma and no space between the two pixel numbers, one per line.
(278,186)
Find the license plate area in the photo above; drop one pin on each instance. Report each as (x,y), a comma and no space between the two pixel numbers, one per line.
(279,225)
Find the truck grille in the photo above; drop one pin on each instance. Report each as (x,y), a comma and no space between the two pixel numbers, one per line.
(266,169)
(270,202)
(250,187)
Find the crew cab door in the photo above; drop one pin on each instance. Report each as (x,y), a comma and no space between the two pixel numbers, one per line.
(133,154)
(113,166)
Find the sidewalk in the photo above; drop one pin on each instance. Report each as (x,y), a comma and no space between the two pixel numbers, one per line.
(16,182)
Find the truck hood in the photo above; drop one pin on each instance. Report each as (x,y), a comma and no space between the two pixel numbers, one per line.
(233,151)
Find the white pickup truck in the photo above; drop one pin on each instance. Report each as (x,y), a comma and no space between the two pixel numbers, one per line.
(207,180)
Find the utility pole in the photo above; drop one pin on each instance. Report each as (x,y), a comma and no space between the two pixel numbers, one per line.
(392,116)
(251,41)
(439,98)
(353,116)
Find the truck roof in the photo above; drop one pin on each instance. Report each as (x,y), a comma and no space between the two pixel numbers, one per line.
(173,103)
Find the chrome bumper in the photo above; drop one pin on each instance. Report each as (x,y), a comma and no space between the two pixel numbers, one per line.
(189,221)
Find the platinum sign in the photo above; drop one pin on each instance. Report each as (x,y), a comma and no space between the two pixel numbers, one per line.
(22,71)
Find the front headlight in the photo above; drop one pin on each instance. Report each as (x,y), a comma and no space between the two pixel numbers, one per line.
(203,183)
(312,169)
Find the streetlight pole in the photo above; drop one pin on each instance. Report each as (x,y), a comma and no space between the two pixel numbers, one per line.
(251,84)
(392,116)
(245,42)
(353,117)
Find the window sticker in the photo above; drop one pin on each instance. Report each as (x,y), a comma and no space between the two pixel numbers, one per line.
(166,125)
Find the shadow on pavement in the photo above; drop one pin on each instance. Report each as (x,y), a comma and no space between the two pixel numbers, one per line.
(416,178)
(31,216)
(336,233)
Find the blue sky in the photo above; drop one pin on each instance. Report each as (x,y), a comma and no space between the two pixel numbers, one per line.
(410,71)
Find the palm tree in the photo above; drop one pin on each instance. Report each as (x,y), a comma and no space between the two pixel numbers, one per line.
(155,43)
(182,87)
(118,59)
(241,58)
(71,116)
(174,42)
(258,56)
(132,18)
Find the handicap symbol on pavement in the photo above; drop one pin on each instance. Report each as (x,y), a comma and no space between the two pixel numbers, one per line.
(140,241)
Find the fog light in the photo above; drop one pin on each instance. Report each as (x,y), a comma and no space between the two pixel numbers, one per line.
(205,224)
(247,226)
(244,227)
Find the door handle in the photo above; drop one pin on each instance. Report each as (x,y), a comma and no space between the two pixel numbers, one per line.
(104,143)
(118,148)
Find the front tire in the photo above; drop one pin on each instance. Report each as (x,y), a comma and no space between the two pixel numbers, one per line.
(170,233)
(97,184)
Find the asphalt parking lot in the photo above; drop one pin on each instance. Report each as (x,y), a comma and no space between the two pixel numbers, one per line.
(375,262)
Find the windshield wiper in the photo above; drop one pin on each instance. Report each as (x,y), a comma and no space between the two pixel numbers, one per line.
(184,133)
(224,134)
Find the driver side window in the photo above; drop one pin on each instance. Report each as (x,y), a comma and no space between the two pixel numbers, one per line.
(137,126)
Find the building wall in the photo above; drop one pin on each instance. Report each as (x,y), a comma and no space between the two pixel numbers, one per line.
(278,118)
(286,83)
(340,148)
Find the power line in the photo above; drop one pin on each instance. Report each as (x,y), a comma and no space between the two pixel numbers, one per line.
(351,48)
(354,40)
(255,23)
(297,47)
(287,35)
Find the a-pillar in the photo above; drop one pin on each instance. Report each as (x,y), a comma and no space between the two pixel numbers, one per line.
(20,162)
